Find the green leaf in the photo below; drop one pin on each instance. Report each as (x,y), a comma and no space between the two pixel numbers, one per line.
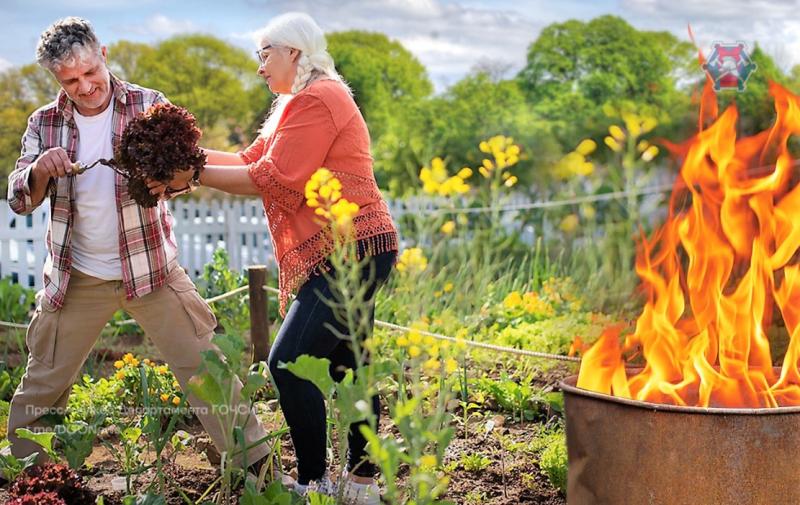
(314,370)
(205,387)
(44,439)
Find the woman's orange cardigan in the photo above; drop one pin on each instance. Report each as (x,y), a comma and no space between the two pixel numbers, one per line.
(320,127)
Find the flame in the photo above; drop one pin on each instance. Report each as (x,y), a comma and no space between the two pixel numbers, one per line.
(713,274)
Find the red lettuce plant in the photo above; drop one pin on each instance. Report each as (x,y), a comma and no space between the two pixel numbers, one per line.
(50,482)
(157,144)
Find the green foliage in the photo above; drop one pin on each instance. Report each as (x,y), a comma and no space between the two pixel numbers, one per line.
(553,458)
(77,439)
(213,79)
(12,467)
(44,439)
(217,278)
(475,462)
(274,494)
(582,66)
(16,301)
(524,400)
(22,90)
(10,378)
(90,397)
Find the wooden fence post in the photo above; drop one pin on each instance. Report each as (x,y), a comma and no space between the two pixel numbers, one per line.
(259,315)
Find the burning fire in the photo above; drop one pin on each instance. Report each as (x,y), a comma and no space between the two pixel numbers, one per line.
(713,274)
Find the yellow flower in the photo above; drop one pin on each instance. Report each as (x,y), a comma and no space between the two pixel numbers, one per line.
(146,361)
(119,364)
(512,300)
(437,294)
(450,365)
(414,337)
(428,461)
(650,153)
(127,358)
(633,124)
(642,145)
(648,124)
(343,212)
(176,384)
(511,181)
(484,147)
(616,132)
(134,362)
(465,173)
(120,375)
(586,147)
(176,401)
(402,341)
(161,370)
(448,287)
(569,223)
(414,351)
(613,144)
(588,211)
(412,261)
(488,165)
(484,172)
(164,397)
(448,227)
(431,365)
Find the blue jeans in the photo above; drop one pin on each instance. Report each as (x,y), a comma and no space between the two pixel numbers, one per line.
(305,331)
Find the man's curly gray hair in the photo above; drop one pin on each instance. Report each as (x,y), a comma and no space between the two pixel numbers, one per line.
(66,42)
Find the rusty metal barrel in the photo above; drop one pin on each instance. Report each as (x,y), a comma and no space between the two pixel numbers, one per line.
(627,452)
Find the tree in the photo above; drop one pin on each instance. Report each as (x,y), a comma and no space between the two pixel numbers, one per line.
(124,59)
(575,68)
(452,126)
(216,81)
(22,91)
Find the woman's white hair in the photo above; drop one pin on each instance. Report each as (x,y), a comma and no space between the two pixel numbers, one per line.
(299,31)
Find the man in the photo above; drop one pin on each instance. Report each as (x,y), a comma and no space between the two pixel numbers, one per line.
(105,252)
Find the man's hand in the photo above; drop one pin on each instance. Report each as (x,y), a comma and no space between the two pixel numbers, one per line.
(157,188)
(178,183)
(52,163)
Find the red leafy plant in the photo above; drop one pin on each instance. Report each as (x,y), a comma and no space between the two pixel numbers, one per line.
(50,484)
(156,144)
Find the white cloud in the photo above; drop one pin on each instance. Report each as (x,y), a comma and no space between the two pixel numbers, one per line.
(160,26)
(448,38)
(5,64)
(771,23)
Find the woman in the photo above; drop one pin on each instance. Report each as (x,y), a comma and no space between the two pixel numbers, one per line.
(314,123)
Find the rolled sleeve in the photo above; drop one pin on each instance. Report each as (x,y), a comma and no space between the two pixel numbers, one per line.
(19,190)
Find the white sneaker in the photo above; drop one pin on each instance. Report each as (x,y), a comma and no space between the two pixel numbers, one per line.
(360,494)
(323,485)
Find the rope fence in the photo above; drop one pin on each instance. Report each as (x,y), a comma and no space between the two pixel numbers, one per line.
(546,204)
(383,324)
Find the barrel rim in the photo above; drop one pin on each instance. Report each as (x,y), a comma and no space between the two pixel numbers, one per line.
(569,385)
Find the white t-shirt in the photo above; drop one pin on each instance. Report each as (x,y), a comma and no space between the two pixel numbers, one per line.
(95,234)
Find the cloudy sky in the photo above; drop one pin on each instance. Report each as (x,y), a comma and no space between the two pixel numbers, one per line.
(448,36)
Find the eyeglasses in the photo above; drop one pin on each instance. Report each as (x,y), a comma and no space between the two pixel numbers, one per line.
(262,58)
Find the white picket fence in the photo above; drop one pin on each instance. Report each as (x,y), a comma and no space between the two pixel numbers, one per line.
(238,226)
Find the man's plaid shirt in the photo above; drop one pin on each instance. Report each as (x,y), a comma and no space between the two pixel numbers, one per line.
(147,245)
